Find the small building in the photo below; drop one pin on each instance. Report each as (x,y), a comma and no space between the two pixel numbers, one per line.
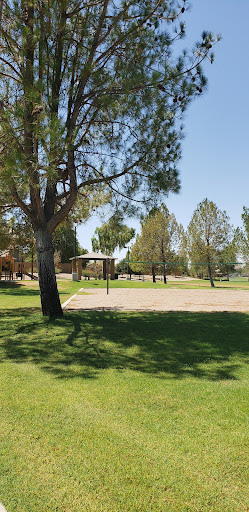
(108,261)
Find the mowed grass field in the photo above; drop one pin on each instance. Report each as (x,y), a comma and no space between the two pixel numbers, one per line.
(111,412)
(234,284)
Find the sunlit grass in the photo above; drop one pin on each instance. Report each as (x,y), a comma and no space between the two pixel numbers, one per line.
(181,284)
(25,294)
(122,412)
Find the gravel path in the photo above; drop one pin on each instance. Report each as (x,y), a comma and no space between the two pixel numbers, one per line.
(123,299)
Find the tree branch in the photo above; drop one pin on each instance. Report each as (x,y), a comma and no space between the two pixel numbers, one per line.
(19,201)
(87,69)
(10,76)
(10,65)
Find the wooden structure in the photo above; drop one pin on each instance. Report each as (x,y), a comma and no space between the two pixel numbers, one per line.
(7,265)
(108,261)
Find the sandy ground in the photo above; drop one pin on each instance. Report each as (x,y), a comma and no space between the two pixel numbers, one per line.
(125,299)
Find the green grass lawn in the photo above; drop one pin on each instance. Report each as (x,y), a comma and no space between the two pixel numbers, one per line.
(122,412)
(25,294)
(242,284)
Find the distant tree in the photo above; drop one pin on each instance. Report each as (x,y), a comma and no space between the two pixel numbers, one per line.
(21,238)
(64,241)
(209,234)
(92,94)
(157,242)
(243,235)
(242,238)
(227,258)
(112,235)
(122,267)
(181,257)
(4,232)
(245,219)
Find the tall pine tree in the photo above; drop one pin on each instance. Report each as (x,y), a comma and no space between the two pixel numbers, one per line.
(209,234)
(90,97)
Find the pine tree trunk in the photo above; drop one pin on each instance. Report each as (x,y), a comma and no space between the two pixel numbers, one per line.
(210,275)
(32,263)
(164,275)
(50,301)
(153,274)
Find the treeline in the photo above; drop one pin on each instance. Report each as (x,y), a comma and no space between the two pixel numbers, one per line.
(209,247)
(17,235)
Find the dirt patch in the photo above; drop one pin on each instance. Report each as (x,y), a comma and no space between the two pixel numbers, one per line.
(123,299)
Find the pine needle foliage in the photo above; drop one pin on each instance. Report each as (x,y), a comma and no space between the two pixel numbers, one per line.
(209,234)
(91,97)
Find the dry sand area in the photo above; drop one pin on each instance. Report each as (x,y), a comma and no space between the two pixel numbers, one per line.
(128,299)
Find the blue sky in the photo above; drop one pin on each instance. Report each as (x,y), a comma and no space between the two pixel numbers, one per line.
(215,155)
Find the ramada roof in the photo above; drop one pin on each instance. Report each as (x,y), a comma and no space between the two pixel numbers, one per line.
(93,256)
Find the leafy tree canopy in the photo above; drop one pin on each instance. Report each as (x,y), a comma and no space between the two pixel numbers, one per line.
(112,235)
(64,241)
(242,238)
(4,233)
(227,256)
(159,239)
(91,96)
(209,234)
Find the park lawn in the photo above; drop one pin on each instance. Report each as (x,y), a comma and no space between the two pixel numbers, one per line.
(25,294)
(183,284)
(131,412)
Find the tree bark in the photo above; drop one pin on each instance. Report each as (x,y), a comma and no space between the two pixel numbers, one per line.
(210,275)
(164,274)
(164,266)
(153,274)
(32,263)
(209,266)
(50,300)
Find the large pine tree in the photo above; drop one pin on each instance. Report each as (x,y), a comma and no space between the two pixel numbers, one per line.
(90,97)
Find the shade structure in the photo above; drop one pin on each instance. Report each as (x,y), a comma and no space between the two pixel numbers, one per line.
(94,256)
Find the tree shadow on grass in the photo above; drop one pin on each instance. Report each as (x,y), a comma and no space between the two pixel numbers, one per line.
(17,288)
(169,345)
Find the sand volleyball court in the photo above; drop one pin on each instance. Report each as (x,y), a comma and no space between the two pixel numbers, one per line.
(128,299)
